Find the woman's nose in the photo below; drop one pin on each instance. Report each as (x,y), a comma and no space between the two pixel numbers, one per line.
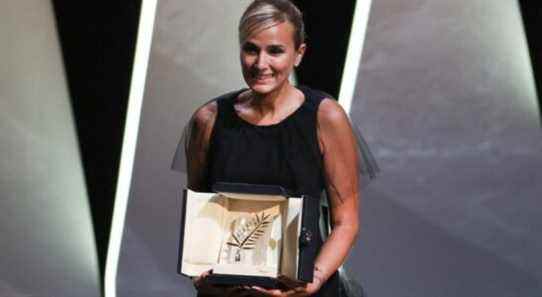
(261,61)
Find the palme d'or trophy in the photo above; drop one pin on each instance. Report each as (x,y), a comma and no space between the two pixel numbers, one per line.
(247,242)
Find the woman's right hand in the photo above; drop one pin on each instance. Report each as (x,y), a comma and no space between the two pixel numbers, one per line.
(200,280)
(205,288)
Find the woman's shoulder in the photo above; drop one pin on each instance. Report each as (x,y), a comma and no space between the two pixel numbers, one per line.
(205,115)
(207,112)
(331,113)
(326,106)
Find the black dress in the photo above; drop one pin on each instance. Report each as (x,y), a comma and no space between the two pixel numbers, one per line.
(285,154)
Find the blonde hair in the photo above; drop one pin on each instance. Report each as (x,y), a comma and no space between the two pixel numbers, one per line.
(262,14)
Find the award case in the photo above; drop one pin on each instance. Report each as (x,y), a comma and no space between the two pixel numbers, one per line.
(248,235)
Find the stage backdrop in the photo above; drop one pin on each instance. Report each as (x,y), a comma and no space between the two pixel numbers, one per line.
(194,56)
(47,243)
(446,99)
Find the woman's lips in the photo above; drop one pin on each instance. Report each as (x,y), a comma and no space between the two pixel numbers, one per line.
(262,77)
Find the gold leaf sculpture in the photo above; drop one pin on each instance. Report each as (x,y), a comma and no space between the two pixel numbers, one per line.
(246,233)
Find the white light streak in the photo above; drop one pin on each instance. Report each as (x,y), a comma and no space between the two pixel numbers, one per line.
(353,55)
(131,129)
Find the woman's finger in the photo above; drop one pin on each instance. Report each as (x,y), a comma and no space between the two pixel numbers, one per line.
(206,273)
(295,293)
(268,292)
(198,280)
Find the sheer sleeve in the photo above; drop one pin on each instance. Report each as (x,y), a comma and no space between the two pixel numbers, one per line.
(367,166)
(344,139)
(179,158)
(191,154)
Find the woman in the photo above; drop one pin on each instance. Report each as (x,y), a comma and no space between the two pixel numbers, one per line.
(276,133)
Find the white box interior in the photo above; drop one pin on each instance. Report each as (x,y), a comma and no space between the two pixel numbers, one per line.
(208,217)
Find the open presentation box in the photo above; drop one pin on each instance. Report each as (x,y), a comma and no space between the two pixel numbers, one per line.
(248,235)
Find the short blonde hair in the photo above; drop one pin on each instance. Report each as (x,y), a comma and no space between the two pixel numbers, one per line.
(262,14)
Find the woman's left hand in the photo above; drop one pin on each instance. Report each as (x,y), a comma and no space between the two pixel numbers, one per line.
(303,291)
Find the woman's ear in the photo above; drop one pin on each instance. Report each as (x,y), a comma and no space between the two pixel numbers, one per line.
(299,54)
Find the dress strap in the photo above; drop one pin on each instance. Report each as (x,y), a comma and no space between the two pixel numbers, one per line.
(225,110)
(313,96)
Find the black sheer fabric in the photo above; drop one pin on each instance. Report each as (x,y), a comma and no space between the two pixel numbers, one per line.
(285,154)
(368,167)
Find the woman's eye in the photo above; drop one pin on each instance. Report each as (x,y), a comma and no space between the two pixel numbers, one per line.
(275,51)
(251,49)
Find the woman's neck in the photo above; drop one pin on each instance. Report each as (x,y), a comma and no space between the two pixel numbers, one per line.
(272,102)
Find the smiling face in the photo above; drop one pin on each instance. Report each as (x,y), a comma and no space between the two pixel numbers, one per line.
(269,56)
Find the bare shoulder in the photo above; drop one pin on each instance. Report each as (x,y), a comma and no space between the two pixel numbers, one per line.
(206,114)
(331,114)
(242,102)
(332,125)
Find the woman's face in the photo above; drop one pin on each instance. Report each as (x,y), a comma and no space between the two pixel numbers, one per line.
(269,56)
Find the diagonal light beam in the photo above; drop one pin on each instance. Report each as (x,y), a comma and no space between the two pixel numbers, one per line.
(135,102)
(354,53)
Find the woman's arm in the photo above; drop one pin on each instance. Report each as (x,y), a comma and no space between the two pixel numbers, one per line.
(339,149)
(201,127)
(338,146)
(200,130)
